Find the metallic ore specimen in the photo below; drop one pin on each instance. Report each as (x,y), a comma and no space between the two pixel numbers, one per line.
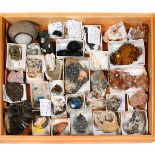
(80,124)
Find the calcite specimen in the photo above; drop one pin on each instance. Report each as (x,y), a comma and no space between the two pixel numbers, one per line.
(113,103)
(138,100)
(59,127)
(140,31)
(80,124)
(17,117)
(56,73)
(16,77)
(50,61)
(14,91)
(115,32)
(106,121)
(125,55)
(136,124)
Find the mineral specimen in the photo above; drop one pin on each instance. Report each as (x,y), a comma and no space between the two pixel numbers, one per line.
(50,61)
(115,32)
(98,81)
(58,105)
(75,102)
(45,42)
(125,55)
(57,33)
(139,32)
(138,100)
(135,124)
(74,46)
(23,32)
(16,77)
(40,124)
(56,73)
(56,89)
(113,103)
(15,52)
(59,128)
(34,66)
(33,49)
(95,101)
(106,121)
(17,117)
(80,124)
(75,77)
(121,80)
(14,91)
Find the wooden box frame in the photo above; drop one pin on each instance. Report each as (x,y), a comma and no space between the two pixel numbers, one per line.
(87,18)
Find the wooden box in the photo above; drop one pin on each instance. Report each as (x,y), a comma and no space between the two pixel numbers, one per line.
(104,20)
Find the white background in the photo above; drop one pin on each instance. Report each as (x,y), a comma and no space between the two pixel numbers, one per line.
(134,6)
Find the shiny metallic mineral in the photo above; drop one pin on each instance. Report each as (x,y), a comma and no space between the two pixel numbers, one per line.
(80,124)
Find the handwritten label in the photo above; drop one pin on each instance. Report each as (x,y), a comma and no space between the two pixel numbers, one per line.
(74,29)
(94,35)
(45,107)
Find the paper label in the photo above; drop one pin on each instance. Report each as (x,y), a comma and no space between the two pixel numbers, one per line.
(74,29)
(94,35)
(45,107)
(55,26)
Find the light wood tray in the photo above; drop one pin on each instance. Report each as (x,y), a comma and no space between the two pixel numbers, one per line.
(87,18)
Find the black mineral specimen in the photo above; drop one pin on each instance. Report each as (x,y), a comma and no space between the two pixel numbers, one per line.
(56,89)
(17,117)
(74,46)
(45,42)
(80,124)
(57,33)
(14,91)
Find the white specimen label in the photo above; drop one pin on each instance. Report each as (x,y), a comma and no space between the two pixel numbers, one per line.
(74,29)
(45,107)
(94,35)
